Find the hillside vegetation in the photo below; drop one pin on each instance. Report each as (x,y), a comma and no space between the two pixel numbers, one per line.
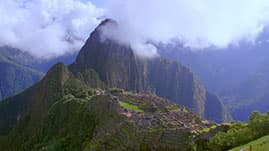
(15,76)
(237,74)
(62,113)
(19,70)
(118,66)
(238,133)
(261,144)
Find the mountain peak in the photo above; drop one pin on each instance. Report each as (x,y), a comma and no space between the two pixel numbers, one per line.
(98,33)
(117,66)
(107,21)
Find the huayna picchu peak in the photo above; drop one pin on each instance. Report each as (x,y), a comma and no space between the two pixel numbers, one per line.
(110,99)
(118,66)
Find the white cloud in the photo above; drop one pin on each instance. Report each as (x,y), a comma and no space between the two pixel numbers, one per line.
(47,28)
(199,23)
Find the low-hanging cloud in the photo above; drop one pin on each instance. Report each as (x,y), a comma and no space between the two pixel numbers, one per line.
(198,23)
(47,28)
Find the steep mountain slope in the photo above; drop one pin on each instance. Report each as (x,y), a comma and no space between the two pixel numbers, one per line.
(19,70)
(40,64)
(63,113)
(238,74)
(14,76)
(118,66)
(37,98)
(81,107)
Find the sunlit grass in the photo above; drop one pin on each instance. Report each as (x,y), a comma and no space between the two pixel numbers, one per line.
(130,107)
(261,144)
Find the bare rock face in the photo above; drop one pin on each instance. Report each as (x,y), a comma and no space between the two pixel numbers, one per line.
(118,66)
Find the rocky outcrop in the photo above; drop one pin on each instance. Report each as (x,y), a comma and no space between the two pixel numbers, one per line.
(118,66)
(215,109)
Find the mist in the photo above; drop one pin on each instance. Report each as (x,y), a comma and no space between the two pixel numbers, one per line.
(196,23)
(51,28)
(47,28)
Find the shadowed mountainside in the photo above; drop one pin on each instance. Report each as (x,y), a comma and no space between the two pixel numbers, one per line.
(118,66)
(81,107)
(15,76)
(19,70)
(63,113)
(238,74)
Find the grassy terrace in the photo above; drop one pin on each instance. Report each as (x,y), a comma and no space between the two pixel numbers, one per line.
(208,129)
(261,144)
(128,106)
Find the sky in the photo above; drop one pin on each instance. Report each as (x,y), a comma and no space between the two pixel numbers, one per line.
(50,28)
(99,3)
(47,28)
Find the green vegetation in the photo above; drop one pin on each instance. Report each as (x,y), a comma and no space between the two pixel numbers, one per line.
(97,125)
(213,127)
(238,133)
(16,78)
(261,144)
(66,110)
(62,112)
(128,106)
(118,67)
(15,75)
(208,129)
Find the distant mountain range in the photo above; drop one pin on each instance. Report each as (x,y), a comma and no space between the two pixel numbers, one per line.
(106,100)
(15,74)
(19,70)
(238,74)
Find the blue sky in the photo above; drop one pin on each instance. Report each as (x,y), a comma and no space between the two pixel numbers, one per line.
(98,3)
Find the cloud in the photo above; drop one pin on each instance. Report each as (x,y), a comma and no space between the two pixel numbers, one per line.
(199,23)
(47,28)
(128,37)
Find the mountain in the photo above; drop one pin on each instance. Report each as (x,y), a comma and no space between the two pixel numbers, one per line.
(118,66)
(15,76)
(19,70)
(62,113)
(238,74)
(84,107)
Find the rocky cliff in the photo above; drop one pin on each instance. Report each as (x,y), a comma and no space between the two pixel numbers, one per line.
(62,113)
(81,107)
(118,66)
